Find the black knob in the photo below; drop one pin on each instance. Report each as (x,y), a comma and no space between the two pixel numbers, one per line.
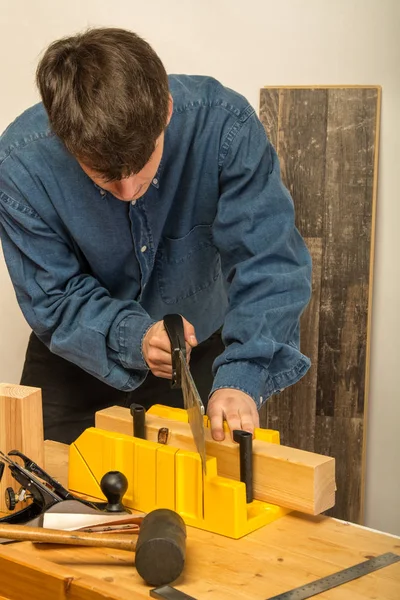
(11,498)
(114,485)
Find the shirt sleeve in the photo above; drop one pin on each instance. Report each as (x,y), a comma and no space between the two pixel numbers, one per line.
(67,309)
(266,265)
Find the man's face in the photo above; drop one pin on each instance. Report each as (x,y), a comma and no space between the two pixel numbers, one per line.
(135,186)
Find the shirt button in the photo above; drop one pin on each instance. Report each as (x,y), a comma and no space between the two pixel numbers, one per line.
(143,249)
(155,181)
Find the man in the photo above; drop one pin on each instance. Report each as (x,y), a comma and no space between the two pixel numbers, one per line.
(126,195)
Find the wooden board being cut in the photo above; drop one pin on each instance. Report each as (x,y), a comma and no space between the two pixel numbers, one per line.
(284,476)
(327,142)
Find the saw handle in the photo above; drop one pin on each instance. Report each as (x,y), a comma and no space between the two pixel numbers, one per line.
(174,327)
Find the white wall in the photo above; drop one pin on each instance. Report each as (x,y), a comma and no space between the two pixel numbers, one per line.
(248,45)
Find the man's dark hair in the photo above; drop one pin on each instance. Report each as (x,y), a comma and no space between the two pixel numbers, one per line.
(107,97)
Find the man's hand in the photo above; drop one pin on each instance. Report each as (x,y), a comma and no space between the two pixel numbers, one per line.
(156,348)
(235,407)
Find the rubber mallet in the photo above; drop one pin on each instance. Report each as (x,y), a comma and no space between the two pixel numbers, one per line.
(160,546)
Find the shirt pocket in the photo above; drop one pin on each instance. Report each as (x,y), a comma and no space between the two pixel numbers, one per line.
(187,265)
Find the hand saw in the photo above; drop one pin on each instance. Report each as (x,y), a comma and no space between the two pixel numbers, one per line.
(182,378)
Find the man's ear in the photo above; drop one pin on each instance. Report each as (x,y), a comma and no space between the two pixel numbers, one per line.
(170,109)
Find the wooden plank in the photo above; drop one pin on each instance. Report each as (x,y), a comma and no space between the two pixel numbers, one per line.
(19,571)
(21,428)
(292,413)
(265,568)
(327,142)
(289,552)
(301,147)
(370,297)
(284,476)
(23,574)
(346,265)
(351,149)
(56,460)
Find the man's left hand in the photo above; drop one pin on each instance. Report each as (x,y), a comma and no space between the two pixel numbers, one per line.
(236,408)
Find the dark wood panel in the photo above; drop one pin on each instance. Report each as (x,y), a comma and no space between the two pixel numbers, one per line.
(326,141)
(292,412)
(342,438)
(300,119)
(347,233)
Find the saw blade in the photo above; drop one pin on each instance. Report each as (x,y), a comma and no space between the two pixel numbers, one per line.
(195,409)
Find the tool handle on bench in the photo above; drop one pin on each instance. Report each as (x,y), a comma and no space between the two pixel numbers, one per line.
(76,538)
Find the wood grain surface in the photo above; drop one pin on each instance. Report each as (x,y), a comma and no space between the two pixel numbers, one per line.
(327,143)
(293,550)
(285,476)
(21,428)
(289,413)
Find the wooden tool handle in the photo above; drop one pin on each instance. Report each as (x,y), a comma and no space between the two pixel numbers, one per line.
(54,536)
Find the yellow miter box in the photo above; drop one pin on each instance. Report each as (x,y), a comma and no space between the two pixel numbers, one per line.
(161,476)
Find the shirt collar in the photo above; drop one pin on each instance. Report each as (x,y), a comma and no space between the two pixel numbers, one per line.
(155,183)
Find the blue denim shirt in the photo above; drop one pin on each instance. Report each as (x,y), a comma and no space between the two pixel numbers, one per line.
(213,239)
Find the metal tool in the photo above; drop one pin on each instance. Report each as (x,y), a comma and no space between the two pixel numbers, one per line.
(160,546)
(63,516)
(336,579)
(41,491)
(182,378)
(44,492)
(166,592)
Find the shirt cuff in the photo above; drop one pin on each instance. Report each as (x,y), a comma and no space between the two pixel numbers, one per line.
(245,376)
(131,332)
(255,381)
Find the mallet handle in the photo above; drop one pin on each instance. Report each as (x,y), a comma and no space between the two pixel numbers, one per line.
(25,533)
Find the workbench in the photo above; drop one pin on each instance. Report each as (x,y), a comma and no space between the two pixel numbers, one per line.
(287,553)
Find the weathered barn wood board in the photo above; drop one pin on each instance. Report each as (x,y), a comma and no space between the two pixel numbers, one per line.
(327,142)
(293,412)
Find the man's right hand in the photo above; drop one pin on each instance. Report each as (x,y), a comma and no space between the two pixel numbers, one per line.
(156,348)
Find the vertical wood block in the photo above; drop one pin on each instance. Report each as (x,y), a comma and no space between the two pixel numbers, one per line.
(21,428)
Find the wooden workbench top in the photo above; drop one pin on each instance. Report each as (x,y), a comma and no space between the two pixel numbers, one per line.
(290,552)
